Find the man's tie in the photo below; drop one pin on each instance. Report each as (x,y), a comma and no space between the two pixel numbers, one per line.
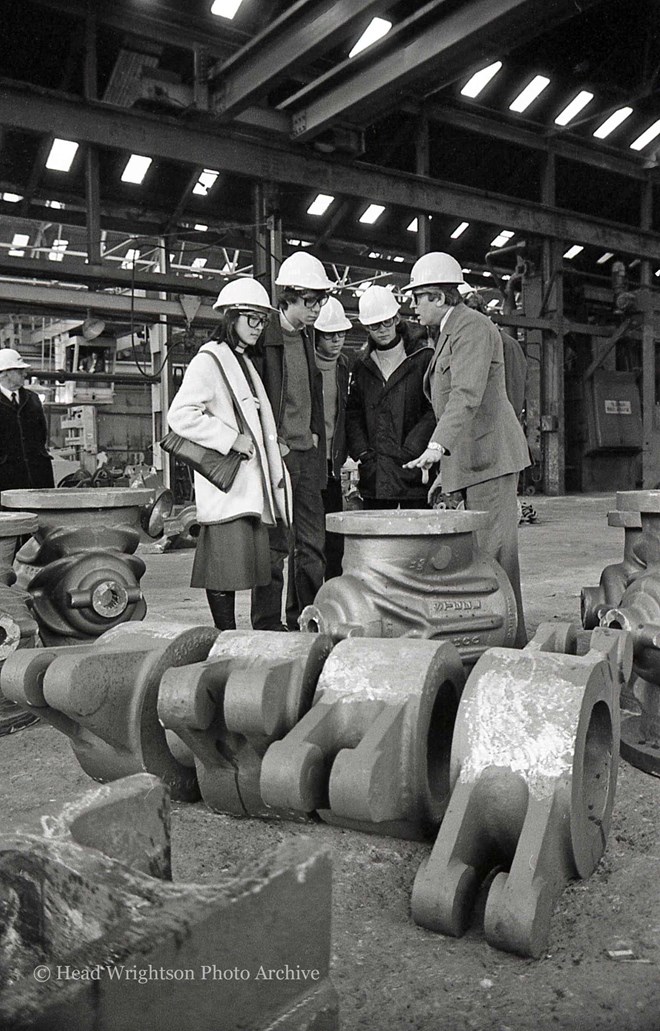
(14,398)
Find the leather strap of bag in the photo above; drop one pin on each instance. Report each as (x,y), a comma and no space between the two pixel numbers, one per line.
(242,425)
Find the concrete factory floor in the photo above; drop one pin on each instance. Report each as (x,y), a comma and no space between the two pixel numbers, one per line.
(389,973)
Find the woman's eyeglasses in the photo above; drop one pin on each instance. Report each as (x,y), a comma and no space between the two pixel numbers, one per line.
(256,321)
(383,324)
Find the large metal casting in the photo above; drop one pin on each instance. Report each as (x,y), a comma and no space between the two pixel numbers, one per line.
(533,773)
(373,751)
(79,567)
(252,690)
(417,574)
(17,627)
(85,889)
(637,610)
(104,698)
(595,601)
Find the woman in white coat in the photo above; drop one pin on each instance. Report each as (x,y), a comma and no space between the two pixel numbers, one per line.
(231,412)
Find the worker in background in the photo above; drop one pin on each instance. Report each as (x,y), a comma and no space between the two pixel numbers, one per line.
(24,458)
(329,338)
(389,419)
(515,359)
(294,386)
(478,440)
(221,404)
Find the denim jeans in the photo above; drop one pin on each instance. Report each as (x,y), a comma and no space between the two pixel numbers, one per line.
(304,546)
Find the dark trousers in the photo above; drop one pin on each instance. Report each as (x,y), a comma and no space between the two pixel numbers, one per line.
(304,546)
(334,542)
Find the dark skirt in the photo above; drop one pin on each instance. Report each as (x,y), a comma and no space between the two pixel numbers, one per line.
(232,556)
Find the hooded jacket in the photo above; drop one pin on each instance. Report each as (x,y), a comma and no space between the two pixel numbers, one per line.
(389,422)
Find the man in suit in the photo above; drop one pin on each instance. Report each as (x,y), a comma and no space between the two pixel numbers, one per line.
(478,439)
(24,458)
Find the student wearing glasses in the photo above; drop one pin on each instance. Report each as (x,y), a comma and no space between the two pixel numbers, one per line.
(222,404)
(389,419)
(294,385)
(478,441)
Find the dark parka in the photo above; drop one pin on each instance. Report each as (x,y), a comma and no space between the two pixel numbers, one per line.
(389,422)
(24,458)
(339,448)
(270,364)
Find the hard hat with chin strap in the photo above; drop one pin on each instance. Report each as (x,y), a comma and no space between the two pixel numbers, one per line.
(332,318)
(244,293)
(303,271)
(377,304)
(434,268)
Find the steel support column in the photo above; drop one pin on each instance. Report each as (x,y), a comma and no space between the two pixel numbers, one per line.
(651,434)
(422,167)
(267,235)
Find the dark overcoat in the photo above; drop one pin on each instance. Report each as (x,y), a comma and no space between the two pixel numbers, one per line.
(24,458)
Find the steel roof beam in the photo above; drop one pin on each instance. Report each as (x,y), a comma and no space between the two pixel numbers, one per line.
(304,31)
(442,52)
(39,111)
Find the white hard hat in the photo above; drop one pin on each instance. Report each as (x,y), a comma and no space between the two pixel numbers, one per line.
(332,318)
(11,359)
(435,267)
(303,271)
(377,304)
(244,293)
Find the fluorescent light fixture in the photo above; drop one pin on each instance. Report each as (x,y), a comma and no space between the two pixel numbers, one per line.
(576,105)
(136,169)
(225,8)
(657,272)
(57,204)
(459,230)
(320,204)
(605,257)
(375,254)
(573,251)
(530,93)
(61,155)
(375,30)
(397,257)
(11,198)
(205,181)
(201,227)
(480,80)
(293,242)
(372,214)
(199,262)
(613,122)
(132,255)
(20,240)
(414,225)
(487,275)
(501,238)
(57,251)
(646,137)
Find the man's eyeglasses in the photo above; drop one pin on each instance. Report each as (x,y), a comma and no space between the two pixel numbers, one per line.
(256,321)
(314,300)
(417,295)
(383,324)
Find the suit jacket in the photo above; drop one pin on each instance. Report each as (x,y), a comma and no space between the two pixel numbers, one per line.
(466,385)
(271,366)
(24,458)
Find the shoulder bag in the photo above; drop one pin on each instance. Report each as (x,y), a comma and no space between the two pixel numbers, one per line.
(221,470)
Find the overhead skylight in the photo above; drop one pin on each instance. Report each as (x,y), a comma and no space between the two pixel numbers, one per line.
(414,225)
(657,272)
(375,254)
(502,237)
(57,251)
(573,251)
(205,181)
(576,105)
(199,262)
(136,169)
(459,230)
(225,8)
(480,80)
(57,204)
(377,28)
(372,214)
(605,257)
(397,257)
(613,122)
(19,240)
(132,255)
(200,227)
(320,204)
(530,93)
(647,136)
(11,198)
(61,155)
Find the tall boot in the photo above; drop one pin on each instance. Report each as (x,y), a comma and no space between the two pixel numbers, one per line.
(221,604)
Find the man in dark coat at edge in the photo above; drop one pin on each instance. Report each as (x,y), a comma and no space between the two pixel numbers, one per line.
(24,458)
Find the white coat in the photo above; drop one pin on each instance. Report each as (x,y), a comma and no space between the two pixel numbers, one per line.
(203,411)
